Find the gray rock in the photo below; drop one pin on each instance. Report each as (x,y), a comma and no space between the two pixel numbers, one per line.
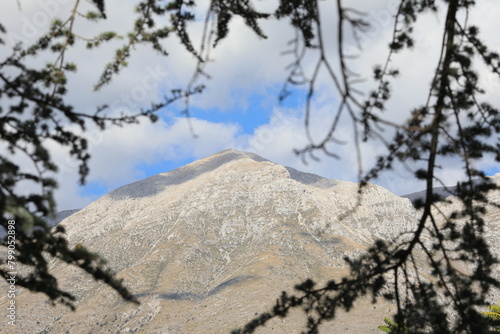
(206,246)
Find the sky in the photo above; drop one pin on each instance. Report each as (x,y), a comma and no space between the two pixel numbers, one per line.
(239,108)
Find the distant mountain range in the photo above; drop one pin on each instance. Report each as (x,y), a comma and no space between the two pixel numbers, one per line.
(60,216)
(210,245)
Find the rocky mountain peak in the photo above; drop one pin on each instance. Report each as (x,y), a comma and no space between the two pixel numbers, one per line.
(209,245)
(237,159)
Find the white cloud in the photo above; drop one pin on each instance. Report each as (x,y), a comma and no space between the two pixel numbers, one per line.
(118,153)
(243,65)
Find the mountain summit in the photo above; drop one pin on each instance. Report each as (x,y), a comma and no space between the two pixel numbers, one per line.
(157,183)
(210,245)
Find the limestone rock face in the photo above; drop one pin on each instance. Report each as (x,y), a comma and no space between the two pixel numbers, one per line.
(210,245)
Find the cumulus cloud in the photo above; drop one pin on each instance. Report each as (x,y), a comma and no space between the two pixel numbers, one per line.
(119,154)
(243,64)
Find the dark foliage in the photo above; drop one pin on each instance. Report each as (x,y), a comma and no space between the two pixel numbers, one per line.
(33,114)
(452,123)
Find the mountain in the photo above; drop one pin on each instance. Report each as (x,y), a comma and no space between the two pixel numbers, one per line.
(443,192)
(60,216)
(210,245)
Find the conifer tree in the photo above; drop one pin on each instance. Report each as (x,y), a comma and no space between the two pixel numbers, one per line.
(34,112)
(452,123)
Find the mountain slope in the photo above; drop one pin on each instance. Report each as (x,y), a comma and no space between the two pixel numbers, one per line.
(208,246)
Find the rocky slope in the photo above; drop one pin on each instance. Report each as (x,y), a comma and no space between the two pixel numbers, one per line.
(210,245)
